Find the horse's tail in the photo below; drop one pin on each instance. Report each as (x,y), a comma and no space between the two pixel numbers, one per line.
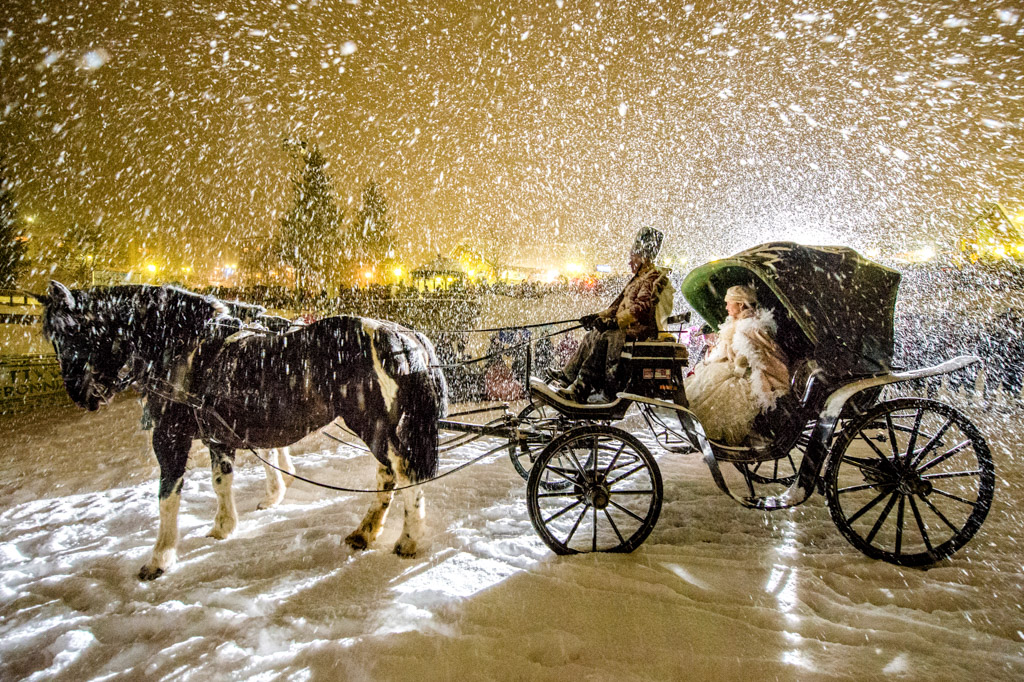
(437,377)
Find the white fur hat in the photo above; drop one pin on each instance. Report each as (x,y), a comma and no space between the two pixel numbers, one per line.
(741,294)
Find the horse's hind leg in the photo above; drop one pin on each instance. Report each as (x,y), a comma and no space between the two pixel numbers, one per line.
(369,529)
(222,468)
(277,483)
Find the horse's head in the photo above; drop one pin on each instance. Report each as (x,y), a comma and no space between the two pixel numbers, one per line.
(90,331)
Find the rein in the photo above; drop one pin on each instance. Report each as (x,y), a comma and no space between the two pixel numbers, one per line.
(514,346)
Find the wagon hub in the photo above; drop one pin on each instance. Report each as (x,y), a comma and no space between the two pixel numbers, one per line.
(911,483)
(597,495)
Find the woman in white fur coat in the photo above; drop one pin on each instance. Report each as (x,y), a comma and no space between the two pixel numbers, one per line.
(743,374)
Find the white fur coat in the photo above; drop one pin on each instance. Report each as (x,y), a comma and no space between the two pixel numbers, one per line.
(743,375)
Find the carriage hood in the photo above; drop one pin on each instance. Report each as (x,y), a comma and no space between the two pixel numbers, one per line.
(831,303)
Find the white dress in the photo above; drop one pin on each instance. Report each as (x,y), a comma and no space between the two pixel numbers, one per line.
(743,375)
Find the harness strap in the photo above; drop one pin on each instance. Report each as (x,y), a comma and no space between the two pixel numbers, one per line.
(198,405)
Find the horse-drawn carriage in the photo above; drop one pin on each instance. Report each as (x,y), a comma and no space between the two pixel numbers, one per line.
(907,480)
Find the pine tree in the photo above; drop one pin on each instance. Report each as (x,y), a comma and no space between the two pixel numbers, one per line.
(309,238)
(372,232)
(13,256)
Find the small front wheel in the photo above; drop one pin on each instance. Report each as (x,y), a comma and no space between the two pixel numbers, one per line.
(910,481)
(594,489)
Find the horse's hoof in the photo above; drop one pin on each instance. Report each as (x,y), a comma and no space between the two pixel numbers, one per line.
(405,548)
(148,572)
(356,541)
(219,533)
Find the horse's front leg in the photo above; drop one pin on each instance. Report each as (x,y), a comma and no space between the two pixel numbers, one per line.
(412,529)
(171,444)
(369,529)
(222,468)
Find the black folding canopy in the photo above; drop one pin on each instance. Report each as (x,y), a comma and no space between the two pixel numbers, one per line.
(831,303)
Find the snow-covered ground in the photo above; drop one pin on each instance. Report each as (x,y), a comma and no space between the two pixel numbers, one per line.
(716,592)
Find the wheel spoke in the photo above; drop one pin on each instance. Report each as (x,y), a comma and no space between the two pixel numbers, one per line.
(867,465)
(882,517)
(576,462)
(881,455)
(954,497)
(746,477)
(563,493)
(625,511)
(630,492)
(940,514)
(856,488)
(615,528)
(575,526)
(611,464)
(562,511)
(626,475)
(932,442)
(909,455)
(620,465)
(893,445)
(593,540)
(899,519)
(561,472)
(951,474)
(955,450)
(869,505)
(920,523)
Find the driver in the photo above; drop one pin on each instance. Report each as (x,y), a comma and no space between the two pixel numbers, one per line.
(633,316)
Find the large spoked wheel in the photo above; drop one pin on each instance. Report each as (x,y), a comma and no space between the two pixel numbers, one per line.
(594,489)
(910,481)
(538,426)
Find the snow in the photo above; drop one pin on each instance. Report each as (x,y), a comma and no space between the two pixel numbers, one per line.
(716,592)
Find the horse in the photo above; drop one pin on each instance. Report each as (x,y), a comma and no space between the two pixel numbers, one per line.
(203,380)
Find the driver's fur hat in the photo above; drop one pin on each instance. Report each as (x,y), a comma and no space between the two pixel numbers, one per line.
(647,243)
(742,293)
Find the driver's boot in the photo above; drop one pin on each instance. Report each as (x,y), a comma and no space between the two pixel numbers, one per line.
(577,391)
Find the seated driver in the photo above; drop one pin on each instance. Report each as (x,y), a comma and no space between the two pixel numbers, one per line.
(633,316)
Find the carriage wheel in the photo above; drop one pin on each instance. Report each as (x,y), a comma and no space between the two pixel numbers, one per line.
(910,481)
(594,489)
(539,424)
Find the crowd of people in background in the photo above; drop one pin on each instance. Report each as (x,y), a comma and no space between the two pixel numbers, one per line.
(924,339)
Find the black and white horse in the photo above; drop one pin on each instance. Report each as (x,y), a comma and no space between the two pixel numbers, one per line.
(252,391)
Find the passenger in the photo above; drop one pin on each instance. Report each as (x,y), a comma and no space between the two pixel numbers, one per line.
(742,375)
(634,316)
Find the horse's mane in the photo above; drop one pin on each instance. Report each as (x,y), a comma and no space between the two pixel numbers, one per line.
(164,321)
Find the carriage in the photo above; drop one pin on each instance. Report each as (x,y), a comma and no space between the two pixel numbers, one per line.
(907,480)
